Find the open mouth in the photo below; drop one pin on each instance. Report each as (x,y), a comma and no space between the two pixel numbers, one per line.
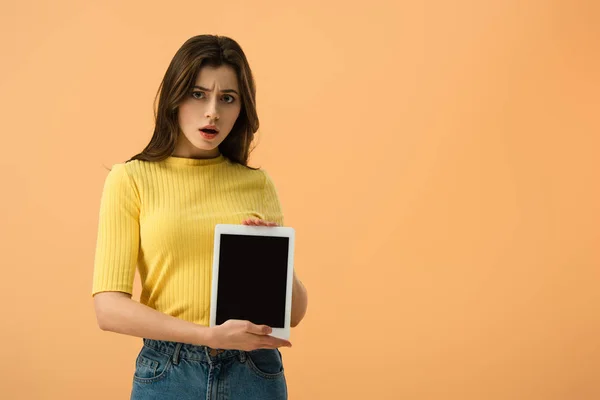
(208,133)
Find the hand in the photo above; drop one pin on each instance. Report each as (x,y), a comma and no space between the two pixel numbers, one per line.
(235,334)
(258,222)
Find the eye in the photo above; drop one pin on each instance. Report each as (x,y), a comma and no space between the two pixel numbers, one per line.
(195,93)
(229,99)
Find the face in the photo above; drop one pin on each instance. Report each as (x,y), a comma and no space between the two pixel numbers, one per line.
(208,113)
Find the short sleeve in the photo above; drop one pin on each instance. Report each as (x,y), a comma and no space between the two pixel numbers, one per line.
(271,204)
(117,244)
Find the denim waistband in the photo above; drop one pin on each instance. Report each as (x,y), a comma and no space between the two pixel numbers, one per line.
(178,351)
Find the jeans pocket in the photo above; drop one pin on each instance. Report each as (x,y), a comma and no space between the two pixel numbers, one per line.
(151,365)
(266,363)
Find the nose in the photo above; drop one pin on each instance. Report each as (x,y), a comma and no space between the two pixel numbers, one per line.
(211,111)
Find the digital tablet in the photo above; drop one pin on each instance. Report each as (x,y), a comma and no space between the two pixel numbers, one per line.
(252,276)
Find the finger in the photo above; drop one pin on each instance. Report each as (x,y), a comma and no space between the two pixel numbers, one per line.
(266,223)
(259,222)
(258,329)
(267,346)
(276,342)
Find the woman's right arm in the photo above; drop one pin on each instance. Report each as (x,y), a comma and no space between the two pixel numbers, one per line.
(118,312)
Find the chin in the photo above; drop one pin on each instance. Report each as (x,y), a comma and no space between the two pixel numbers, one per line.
(206,146)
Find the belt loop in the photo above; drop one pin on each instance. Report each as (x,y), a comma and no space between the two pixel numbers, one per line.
(207,353)
(242,356)
(176,353)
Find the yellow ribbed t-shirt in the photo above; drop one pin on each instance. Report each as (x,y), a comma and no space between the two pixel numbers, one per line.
(160,217)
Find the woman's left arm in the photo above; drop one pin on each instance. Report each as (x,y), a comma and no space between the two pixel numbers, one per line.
(299,301)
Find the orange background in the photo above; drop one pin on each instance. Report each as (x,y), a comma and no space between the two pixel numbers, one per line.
(438,160)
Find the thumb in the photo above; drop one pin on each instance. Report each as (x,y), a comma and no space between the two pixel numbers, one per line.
(259,329)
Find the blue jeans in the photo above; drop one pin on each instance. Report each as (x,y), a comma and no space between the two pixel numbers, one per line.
(178,371)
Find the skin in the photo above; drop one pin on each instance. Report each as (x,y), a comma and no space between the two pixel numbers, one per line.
(214,100)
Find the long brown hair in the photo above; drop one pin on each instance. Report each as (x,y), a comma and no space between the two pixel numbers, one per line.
(179,79)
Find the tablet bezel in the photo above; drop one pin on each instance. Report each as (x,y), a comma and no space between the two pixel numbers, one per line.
(277,231)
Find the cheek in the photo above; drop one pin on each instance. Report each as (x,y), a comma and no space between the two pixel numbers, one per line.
(233,116)
(186,114)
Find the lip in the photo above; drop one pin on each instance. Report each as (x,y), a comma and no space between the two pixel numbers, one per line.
(208,136)
(213,127)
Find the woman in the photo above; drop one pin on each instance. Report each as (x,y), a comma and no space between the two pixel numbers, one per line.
(158,212)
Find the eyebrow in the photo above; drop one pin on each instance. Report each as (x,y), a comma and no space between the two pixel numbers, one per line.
(223,91)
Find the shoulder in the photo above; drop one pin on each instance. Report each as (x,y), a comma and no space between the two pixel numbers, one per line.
(122,171)
(268,179)
(122,175)
(117,172)
(137,170)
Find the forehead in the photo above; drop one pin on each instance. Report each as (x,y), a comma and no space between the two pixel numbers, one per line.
(223,76)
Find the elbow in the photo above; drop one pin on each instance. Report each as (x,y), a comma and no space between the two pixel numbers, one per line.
(102,325)
(296,321)
(299,316)
(104,304)
(101,318)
